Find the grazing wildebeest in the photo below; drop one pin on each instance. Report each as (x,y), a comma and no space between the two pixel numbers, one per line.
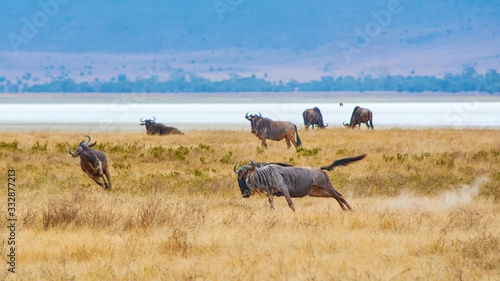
(265,128)
(93,163)
(153,128)
(313,117)
(290,181)
(360,115)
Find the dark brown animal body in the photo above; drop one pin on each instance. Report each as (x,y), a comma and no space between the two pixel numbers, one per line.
(93,163)
(265,128)
(313,117)
(291,182)
(153,128)
(360,115)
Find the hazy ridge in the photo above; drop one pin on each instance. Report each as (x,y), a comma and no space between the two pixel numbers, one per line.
(279,40)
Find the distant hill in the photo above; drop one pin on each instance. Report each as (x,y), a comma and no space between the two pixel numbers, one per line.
(131,26)
(276,40)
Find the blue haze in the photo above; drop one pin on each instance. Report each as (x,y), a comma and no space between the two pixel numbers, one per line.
(276,40)
(131,26)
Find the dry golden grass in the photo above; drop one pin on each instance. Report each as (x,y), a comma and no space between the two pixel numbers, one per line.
(426,207)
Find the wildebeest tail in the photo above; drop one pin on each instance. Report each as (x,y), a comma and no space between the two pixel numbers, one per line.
(299,143)
(343,162)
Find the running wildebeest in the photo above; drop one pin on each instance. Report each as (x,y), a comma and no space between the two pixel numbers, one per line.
(313,117)
(360,115)
(289,181)
(153,128)
(93,163)
(265,128)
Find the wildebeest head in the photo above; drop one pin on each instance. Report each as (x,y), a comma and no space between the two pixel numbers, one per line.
(148,122)
(82,147)
(243,174)
(245,171)
(254,119)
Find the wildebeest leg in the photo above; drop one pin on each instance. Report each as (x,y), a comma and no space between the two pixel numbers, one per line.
(106,185)
(288,198)
(106,173)
(270,198)
(264,143)
(288,145)
(329,191)
(96,179)
(288,140)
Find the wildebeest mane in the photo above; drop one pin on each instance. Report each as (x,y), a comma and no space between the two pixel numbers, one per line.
(343,162)
(281,164)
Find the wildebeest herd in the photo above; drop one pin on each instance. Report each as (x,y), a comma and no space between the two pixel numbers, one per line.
(272,179)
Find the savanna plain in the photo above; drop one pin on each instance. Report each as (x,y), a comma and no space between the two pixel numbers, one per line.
(425,207)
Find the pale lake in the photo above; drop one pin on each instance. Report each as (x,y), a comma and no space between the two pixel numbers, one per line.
(186,115)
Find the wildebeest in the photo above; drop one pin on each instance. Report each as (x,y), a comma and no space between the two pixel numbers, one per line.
(313,117)
(265,128)
(290,181)
(153,128)
(93,163)
(360,115)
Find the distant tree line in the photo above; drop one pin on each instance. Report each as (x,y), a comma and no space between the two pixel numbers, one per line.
(468,80)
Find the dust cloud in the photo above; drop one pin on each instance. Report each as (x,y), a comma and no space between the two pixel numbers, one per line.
(445,200)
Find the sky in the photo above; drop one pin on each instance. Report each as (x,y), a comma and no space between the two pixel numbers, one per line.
(275,40)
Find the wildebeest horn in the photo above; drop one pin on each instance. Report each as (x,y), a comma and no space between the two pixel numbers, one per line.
(234,167)
(72,153)
(141,119)
(325,125)
(87,143)
(246,116)
(345,124)
(154,118)
(253,164)
(260,115)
